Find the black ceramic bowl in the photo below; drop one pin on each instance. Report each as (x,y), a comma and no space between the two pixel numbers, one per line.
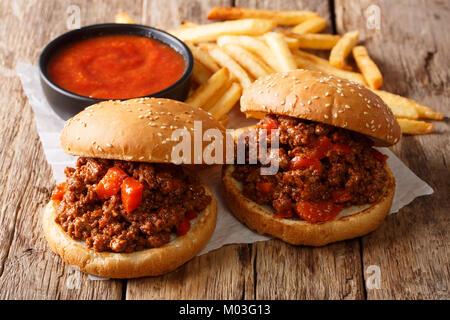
(66,104)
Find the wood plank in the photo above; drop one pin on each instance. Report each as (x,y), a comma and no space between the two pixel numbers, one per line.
(412,49)
(289,272)
(226,273)
(29,270)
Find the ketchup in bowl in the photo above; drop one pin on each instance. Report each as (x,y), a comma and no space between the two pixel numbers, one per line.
(116,67)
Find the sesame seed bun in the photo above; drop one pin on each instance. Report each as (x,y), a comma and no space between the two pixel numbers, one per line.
(134,130)
(149,262)
(315,96)
(300,232)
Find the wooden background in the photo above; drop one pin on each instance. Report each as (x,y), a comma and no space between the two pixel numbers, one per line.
(411,248)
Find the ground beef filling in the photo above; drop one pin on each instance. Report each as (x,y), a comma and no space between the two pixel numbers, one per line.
(169,196)
(321,166)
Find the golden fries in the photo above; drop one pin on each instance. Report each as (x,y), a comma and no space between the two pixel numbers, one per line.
(224,60)
(319,41)
(312,25)
(415,127)
(282,18)
(309,61)
(247,60)
(200,96)
(254,45)
(342,48)
(426,112)
(292,43)
(210,32)
(203,57)
(212,101)
(200,74)
(123,17)
(401,107)
(368,68)
(246,49)
(227,101)
(281,52)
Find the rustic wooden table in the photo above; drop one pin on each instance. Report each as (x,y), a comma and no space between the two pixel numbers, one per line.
(411,249)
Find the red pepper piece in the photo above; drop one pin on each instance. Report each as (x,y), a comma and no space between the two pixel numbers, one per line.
(341,196)
(342,148)
(191,214)
(379,156)
(111,182)
(298,162)
(322,148)
(269,125)
(58,193)
(183,227)
(317,211)
(264,187)
(131,194)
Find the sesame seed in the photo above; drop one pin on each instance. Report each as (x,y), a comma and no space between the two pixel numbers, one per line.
(327,105)
(325,116)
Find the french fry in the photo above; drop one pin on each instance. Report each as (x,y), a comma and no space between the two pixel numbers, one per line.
(427,112)
(401,107)
(280,51)
(409,126)
(257,46)
(227,101)
(292,43)
(312,25)
(123,17)
(368,68)
(203,57)
(314,41)
(247,60)
(200,74)
(224,60)
(342,48)
(210,32)
(282,18)
(212,101)
(311,62)
(209,88)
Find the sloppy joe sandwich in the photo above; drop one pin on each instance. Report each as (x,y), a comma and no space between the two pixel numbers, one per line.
(331,183)
(126,210)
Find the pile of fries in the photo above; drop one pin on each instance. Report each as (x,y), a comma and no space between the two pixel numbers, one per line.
(231,54)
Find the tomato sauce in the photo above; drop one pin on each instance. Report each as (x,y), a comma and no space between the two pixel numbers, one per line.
(116,67)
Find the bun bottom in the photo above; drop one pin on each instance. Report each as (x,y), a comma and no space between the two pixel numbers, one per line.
(300,232)
(149,262)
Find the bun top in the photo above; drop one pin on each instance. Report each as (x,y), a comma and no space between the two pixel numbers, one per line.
(135,130)
(315,96)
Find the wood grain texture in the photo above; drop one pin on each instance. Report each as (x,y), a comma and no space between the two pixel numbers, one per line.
(412,50)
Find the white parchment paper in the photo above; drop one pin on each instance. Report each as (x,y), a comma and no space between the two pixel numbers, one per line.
(228,229)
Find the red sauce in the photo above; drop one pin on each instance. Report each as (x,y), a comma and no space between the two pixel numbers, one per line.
(116,67)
